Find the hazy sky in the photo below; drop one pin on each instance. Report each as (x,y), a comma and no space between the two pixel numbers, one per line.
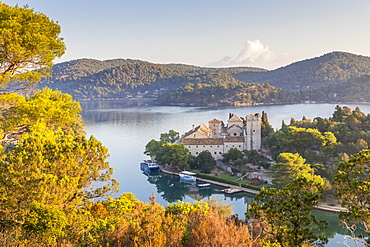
(260,33)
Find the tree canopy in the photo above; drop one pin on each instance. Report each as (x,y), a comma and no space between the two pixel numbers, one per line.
(352,185)
(266,127)
(290,166)
(232,155)
(170,137)
(29,43)
(52,108)
(168,154)
(53,169)
(284,216)
(205,162)
(323,142)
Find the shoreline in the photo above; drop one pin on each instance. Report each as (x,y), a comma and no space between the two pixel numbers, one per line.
(321,205)
(152,102)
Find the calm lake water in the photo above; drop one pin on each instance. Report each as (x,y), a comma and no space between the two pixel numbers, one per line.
(125,130)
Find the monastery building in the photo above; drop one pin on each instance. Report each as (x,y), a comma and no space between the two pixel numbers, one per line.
(219,138)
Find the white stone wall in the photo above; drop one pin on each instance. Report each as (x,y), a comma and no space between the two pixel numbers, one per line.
(238,145)
(215,150)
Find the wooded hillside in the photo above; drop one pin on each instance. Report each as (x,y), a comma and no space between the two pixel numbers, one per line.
(312,79)
(312,73)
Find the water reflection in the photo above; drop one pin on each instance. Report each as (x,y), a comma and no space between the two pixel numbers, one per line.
(173,189)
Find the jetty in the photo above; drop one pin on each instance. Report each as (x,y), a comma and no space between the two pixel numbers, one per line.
(231,189)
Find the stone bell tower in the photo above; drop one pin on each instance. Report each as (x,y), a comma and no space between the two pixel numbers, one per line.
(253,132)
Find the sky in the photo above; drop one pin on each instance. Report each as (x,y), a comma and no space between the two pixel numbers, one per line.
(218,33)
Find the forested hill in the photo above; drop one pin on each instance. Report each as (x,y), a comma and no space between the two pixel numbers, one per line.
(77,69)
(183,84)
(119,78)
(354,90)
(312,73)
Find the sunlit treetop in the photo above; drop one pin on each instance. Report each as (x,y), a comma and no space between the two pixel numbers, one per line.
(29,42)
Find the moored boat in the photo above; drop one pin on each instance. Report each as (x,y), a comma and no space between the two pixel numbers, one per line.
(149,167)
(231,190)
(188,176)
(202,186)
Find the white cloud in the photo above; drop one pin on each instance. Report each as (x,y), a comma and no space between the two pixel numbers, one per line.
(254,53)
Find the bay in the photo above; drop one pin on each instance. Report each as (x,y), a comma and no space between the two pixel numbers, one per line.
(126,129)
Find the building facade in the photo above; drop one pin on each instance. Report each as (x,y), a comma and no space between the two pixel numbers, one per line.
(219,138)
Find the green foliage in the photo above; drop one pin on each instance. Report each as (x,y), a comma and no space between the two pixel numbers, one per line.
(52,108)
(168,154)
(232,155)
(185,208)
(65,169)
(355,89)
(352,185)
(252,156)
(239,162)
(30,42)
(266,127)
(170,137)
(87,78)
(53,170)
(324,141)
(153,147)
(301,140)
(205,162)
(285,217)
(46,220)
(224,90)
(290,166)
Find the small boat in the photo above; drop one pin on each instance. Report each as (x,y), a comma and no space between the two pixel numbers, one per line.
(188,176)
(231,191)
(202,186)
(149,167)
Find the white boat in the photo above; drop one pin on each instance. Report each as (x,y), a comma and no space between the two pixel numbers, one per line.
(231,191)
(202,186)
(188,176)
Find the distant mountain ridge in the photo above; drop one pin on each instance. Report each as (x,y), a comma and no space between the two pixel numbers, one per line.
(313,73)
(122,78)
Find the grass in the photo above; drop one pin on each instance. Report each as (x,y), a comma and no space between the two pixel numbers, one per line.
(230,178)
